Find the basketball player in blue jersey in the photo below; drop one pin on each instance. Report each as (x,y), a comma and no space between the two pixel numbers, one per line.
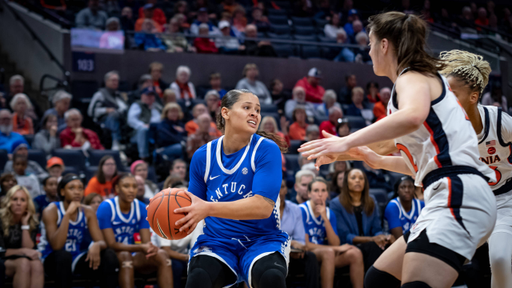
(119,218)
(66,225)
(438,147)
(468,75)
(234,185)
(404,209)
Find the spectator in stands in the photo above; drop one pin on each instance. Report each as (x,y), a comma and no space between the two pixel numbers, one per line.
(171,133)
(149,11)
(269,125)
(108,108)
(482,19)
(343,128)
(202,18)
(175,43)
(140,168)
(362,52)
(373,95)
(357,108)
(352,16)
(47,139)
(212,99)
(192,125)
(75,136)
(299,98)
(345,95)
(68,227)
(61,101)
(376,177)
(184,26)
(101,183)
(311,84)
(358,217)
(205,45)
(346,54)
(357,28)
(168,97)
(141,190)
(331,29)
(127,21)
(250,83)
(322,237)
(202,135)
(18,230)
(93,200)
(183,88)
(216,84)
(16,86)
(179,168)
(206,5)
(257,48)
(227,44)
(155,70)
(119,235)
(229,6)
(380,108)
(239,21)
(24,179)
(329,100)
(312,133)
(172,182)
(303,8)
(259,20)
(21,148)
(91,17)
(329,126)
(50,190)
(336,182)
(299,125)
(7,137)
(145,81)
(292,223)
(299,194)
(55,167)
(495,97)
(112,38)
(21,123)
(158,14)
(7,181)
(403,210)
(140,115)
(147,40)
(279,98)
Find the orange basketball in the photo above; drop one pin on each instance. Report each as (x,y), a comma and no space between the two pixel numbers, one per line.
(161,216)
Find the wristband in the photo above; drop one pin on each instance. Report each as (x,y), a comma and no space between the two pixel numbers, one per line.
(25,227)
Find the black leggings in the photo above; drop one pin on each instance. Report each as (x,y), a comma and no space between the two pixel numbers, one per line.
(208,272)
(58,267)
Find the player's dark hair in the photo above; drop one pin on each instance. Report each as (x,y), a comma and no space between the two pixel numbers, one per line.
(407,33)
(366,201)
(64,181)
(47,178)
(99,174)
(334,182)
(119,177)
(229,100)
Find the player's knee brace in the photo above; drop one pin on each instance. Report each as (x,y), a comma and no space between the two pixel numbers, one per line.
(377,278)
(271,278)
(416,284)
(269,271)
(127,264)
(209,272)
(198,277)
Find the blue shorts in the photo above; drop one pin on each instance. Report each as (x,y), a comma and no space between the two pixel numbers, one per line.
(241,254)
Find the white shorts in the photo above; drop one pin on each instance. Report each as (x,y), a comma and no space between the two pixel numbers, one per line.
(460,213)
(504,216)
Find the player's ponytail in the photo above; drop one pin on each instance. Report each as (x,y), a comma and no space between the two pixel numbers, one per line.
(467,67)
(229,100)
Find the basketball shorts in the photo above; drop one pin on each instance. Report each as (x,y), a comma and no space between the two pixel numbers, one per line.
(504,210)
(241,254)
(459,213)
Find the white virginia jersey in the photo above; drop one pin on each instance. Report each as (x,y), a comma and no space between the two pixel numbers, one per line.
(495,145)
(445,139)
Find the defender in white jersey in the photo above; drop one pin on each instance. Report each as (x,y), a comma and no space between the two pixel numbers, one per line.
(439,148)
(468,75)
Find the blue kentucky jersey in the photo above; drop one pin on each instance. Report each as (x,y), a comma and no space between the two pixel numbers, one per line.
(124,225)
(76,233)
(396,215)
(315,227)
(253,170)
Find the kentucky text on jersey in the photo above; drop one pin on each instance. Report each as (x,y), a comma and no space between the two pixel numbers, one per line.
(222,191)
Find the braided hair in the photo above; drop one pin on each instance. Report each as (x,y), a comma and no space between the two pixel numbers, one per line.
(467,67)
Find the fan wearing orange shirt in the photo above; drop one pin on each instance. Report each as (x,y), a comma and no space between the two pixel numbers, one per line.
(297,130)
(379,110)
(101,183)
(192,125)
(149,10)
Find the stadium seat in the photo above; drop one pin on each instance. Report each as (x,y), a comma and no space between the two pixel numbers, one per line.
(305,37)
(29,138)
(38,156)
(284,5)
(124,86)
(302,21)
(152,174)
(281,12)
(304,30)
(356,122)
(277,36)
(326,39)
(320,23)
(276,116)
(308,52)
(71,157)
(90,172)
(262,35)
(82,91)
(268,108)
(294,145)
(96,155)
(320,118)
(381,196)
(3,159)
(278,19)
(280,29)
(70,169)
(292,163)
(283,50)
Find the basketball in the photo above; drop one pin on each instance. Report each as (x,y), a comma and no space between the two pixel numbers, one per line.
(161,216)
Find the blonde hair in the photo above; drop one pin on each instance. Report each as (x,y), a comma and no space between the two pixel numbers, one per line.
(467,67)
(267,119)
(170,106)
(6,213)
(156,65)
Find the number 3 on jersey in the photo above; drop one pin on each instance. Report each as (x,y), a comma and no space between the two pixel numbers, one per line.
(498,175)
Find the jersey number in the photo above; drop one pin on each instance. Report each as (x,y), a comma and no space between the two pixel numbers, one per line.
(498,175)
(70,245)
